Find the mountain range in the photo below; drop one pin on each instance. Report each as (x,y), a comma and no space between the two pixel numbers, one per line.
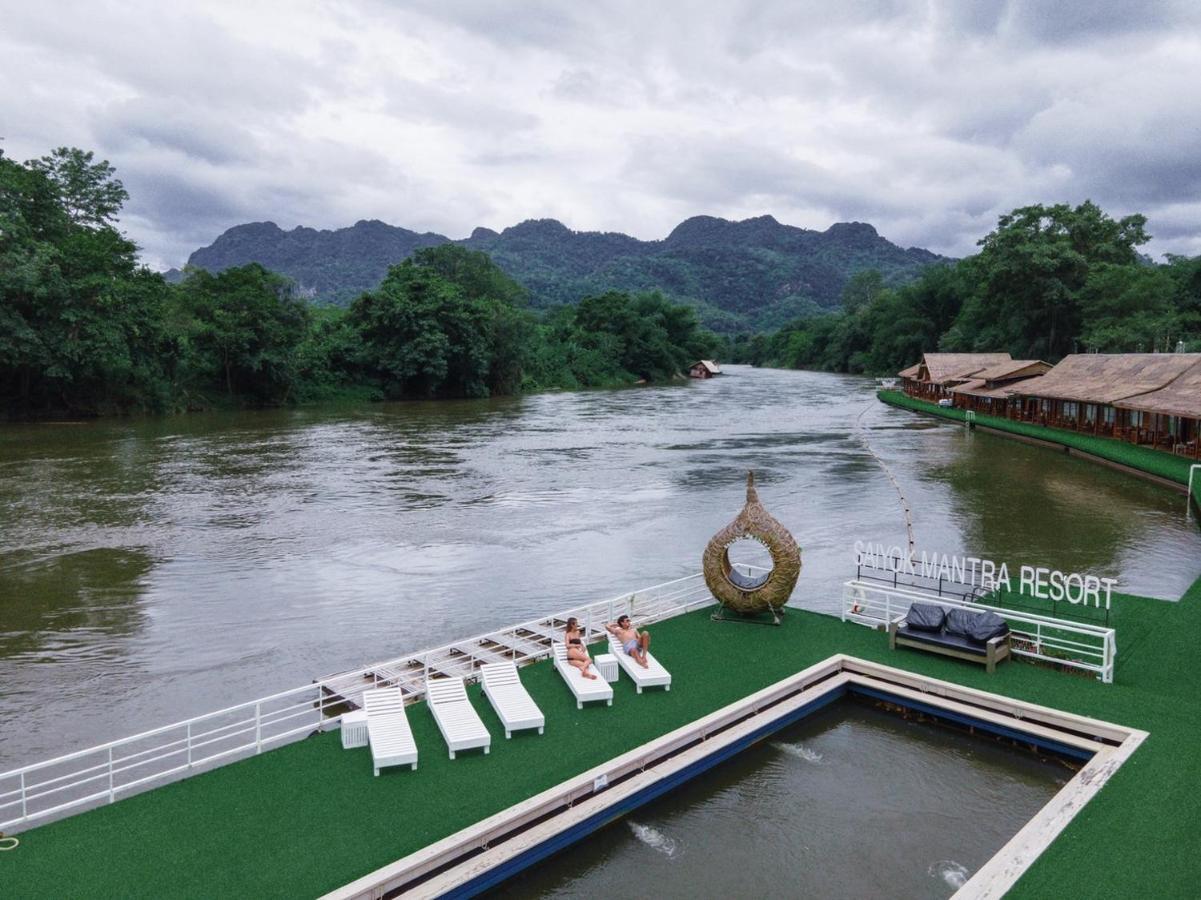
(748,275)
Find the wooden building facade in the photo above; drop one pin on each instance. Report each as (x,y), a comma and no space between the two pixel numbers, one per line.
(1152,399)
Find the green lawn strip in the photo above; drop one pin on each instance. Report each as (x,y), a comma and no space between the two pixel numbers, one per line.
(309,817)
(1154,462)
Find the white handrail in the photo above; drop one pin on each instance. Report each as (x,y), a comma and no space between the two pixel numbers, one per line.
(202,741)
(874,605)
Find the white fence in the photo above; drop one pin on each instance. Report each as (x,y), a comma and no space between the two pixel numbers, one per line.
(105,773)
(1077,645)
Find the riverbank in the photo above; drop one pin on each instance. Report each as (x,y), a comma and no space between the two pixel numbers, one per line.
(1140,459)
(309,817)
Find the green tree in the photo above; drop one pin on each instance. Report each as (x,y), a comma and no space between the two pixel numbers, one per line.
(1029,273)
(861,290)
(88,191)
(1128,308)
(242,329)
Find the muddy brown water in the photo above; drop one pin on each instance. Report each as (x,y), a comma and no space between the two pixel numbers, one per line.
(156,569)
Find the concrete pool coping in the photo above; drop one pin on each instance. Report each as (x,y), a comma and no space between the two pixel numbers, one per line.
(492,850)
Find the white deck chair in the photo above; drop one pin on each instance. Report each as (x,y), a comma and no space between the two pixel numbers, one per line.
(585,689)
(388,729)
(510,699)
(654,675)
(460,724)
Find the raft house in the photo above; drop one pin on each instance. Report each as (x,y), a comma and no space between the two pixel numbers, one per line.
(277,796)
(1146,399)
(703,368)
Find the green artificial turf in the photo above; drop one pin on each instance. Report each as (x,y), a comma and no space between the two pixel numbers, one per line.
(310,817)
(1154,462)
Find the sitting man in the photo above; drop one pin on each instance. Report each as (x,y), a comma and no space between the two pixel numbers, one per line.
(634,643)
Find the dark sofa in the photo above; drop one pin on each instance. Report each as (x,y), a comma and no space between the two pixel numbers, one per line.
(976,635)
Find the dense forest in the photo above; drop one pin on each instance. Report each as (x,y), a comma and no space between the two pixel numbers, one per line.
(1048,281)
(86,330)
(739,276)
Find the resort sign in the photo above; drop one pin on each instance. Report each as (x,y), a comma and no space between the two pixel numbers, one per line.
(989,576)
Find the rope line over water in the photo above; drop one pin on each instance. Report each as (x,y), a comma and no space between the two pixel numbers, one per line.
(862,435)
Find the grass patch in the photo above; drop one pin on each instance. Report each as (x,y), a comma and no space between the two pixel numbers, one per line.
(1154,462)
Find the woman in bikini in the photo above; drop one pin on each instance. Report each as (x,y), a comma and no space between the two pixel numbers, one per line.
(577,653)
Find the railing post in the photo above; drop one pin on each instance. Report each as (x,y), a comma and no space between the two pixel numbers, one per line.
(189,745)
(258,727)
(24,800)
(111,795)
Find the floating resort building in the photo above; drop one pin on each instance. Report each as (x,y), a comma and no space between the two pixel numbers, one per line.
(937,374)
(704,368)
(1149,399)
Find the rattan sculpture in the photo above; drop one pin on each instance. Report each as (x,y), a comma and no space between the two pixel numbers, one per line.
(751,595)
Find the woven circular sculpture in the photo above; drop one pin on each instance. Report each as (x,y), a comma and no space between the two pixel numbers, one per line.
(751,594)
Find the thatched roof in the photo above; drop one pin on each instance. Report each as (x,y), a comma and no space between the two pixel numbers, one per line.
(709,364)
(978,387)
(943,367)
(1179,397)
(1109,377)
(1014,368)
(911,372)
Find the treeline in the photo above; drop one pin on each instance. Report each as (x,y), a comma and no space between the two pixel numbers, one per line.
(1049,281)
(84,329)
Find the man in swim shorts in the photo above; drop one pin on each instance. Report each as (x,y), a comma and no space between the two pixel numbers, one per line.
(634,643)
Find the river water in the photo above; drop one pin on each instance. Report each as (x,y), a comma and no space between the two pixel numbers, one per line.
(157,569)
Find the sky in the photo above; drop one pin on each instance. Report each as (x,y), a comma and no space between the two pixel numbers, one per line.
(926,119)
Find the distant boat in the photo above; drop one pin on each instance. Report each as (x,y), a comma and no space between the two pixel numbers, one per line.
(704,368)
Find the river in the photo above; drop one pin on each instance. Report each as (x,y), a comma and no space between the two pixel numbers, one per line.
(159,568)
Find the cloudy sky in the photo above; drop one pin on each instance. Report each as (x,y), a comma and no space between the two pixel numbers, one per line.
(927,119)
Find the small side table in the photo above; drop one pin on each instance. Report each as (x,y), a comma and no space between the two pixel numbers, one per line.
(354,729)
(606,664)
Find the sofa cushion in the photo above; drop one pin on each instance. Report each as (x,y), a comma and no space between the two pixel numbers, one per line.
(978,627)
(925,617)
(986,627)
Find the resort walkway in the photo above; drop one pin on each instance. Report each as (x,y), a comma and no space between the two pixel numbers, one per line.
(310,817)
(1144,459)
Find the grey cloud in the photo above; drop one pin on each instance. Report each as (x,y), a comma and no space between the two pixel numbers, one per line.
(928,118)
(457,107)
(189,131)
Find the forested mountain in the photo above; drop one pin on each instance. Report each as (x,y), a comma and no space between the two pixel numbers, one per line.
(753,274)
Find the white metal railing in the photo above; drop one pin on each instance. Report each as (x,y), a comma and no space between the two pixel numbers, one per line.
(105,773)
(1078,645)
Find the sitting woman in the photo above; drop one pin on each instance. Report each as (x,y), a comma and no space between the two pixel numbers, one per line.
(577,653)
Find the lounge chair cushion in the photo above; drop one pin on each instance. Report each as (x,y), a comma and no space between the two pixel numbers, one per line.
(925,617)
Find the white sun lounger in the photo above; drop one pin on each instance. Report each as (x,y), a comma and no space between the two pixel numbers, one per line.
(388,729)
(654,675)
(508,696)
(460,724)
(585,689)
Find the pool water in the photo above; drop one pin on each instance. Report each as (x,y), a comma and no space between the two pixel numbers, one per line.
(854,801)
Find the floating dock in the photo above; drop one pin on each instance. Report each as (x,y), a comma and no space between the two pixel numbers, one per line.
(308,818)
